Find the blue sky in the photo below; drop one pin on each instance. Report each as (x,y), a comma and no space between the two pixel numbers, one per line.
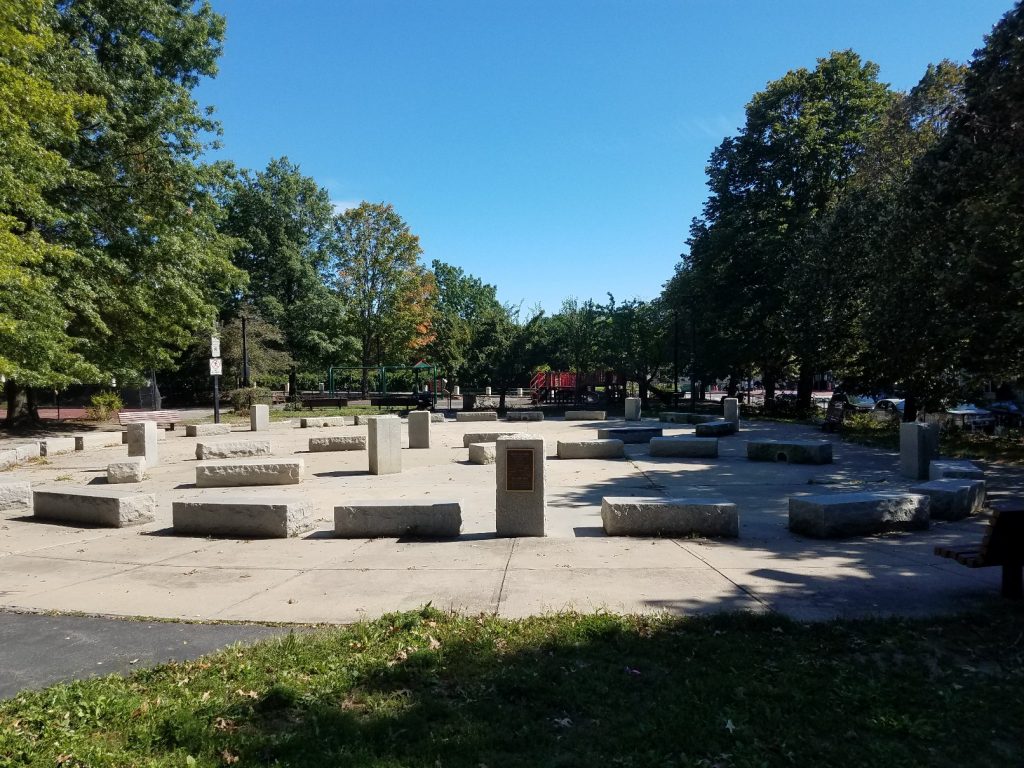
(551,148)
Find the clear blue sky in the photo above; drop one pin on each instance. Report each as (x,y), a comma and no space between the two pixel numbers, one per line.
(552,147)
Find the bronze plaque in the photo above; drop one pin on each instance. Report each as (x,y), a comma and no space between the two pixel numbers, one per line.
(519,469)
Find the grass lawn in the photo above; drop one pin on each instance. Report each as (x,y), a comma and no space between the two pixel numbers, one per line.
(955,443)
(429,689)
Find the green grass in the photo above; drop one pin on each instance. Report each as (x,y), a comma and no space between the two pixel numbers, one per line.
(280,414)
(428,689)
(1006,449)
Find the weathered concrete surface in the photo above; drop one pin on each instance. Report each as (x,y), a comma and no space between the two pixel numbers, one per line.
(790,451)
(675,417)
(685,447)
(52,446)
(235,472)
(259,418)
(482,453)
(204,430)
(88,440)
(93,506)
(953,498)
(243,517)
(484,437)
(525,415)
(858,514)
(965,470)
(630,516)
(130,470)
(423,518)
(632,406)
(585,415)
(629,434)
(337,443)
(437,418)
(519,511)
(231,449)
(590,449)
(717,428)
(916,442)
(15,497)
(384,445)
(419,429)
(476,416)
(142,441)
(325,421)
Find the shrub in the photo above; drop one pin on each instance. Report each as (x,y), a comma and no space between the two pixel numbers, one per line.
(243,398)
(102,405)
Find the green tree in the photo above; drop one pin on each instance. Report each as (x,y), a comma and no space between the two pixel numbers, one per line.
(579,338)
(637,341)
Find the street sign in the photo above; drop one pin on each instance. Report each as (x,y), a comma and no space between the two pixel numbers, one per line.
(214,346)
(216,366)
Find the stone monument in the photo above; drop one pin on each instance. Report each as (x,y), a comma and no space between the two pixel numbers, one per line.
(419,429)
(259,417)
(142,441)
(384,444)
(632,409)
(519,502)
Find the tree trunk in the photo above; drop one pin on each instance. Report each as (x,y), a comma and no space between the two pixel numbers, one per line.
(733,385)
(768,384)
(803,387)
(910,407)
(693,394)
(644,387)
(501,400)
(21,404)
(293,384)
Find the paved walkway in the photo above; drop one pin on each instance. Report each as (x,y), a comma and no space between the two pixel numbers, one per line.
(148,571)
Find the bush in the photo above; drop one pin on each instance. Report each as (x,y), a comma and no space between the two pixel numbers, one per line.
(243,398)
(103,405)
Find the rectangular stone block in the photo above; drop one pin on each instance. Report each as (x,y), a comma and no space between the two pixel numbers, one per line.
(484,437)
(791,451)
(487,391)
(590,449)
(858,514)
(8,458)
(629,434)
(204,430)
(669,517)
(15,497)
(585,415)
(482,453)
(964,470)
(632,409)
(676,417)
(419,429)
(88,440)
(337,443)
(130,470)
(405,517)
(717,428)
(142,441)
(325,421)
(259,418)
(27,451)
(520,480)
(437,418)
(952,498)
(231,449)
(731,410)
(51,446)
(915,450)
(476,416)
(685,447)
(161,435)
(525,415)
(108,507)
(385,445)
(243,517)
(232,472)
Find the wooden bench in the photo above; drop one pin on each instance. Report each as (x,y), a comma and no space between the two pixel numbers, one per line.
(160,417)
(315,401)
(1003,545)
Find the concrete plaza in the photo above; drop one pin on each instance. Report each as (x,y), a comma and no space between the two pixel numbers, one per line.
(149,571)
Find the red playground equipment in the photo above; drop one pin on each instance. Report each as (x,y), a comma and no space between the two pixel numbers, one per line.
(560,387)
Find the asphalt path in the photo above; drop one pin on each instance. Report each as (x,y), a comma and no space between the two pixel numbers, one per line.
(39,650)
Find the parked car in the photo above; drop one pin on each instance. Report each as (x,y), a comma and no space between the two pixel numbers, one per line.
(854,402)
(971,417)
(891,405)
(1007,413)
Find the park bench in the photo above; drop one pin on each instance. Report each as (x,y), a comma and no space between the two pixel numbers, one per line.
(316,401)
(160,417)
(1003,545)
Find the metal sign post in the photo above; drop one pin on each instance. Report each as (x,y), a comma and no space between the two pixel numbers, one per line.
(216,370)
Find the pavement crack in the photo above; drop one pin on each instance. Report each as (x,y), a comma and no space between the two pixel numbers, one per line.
(738,586)
(504,575)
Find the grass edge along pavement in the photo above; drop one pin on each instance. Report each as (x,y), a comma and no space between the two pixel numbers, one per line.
(425,688)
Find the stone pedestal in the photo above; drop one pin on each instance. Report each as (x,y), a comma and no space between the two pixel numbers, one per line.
(915,450)
(487,390)
(456,391)
(419,429)
(142,441)
(259,417)
(384,444)
(130,470)
(519,392)
(731,410)
(632,409)
(519,501)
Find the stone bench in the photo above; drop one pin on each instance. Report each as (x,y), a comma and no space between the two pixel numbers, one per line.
(161,434)
(476,416)
(325,421)
(337,443)
(629,434)
(97,440)
(590,449)
(482,453)
(791,451)
(586,415)
(437,418)
(112,508)
(669,517)
(130,470)
(953,498)
(964,470)
(686,447)
(51,446)
(675,417)
(203,430)
(484,437)
(407,517)
(15,497)
(230,449)
(19,454)
(219,474)
(242,517)
(525,415)
(839,515)
(716,428)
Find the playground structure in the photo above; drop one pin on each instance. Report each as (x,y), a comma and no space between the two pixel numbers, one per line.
(567,388)
(346,383)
